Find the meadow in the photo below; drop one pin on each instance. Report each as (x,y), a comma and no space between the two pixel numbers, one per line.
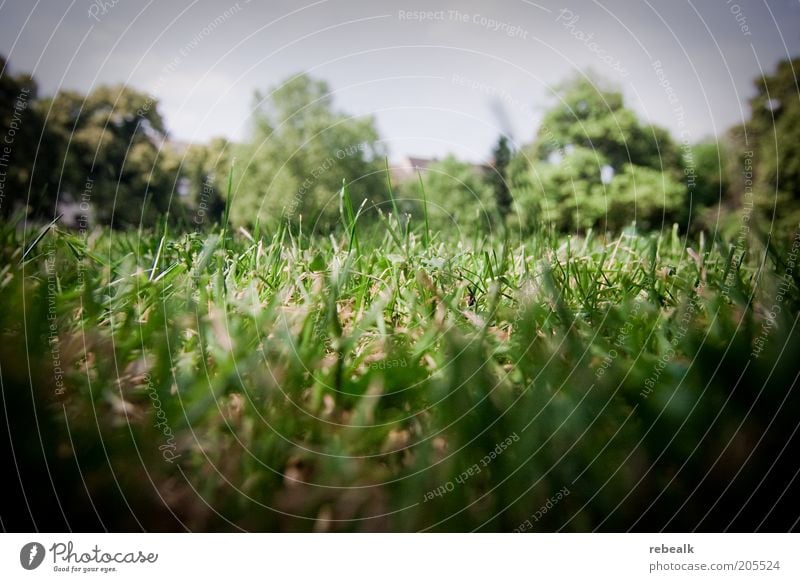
(387,377)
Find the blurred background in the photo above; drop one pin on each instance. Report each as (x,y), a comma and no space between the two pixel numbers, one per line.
(521,112)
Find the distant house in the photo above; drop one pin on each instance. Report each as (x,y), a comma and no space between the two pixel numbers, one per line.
(408,167)
(75,216)
(180,147)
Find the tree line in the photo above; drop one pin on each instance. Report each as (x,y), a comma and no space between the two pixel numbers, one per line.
(592,163)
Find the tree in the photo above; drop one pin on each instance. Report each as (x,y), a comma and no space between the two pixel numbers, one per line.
(299,152)
(645,196)
(774,131)
(111,153)
(458,196)
(709,162)
(204,176)
(595,118)
(593,164)
(20,128)
(498,175)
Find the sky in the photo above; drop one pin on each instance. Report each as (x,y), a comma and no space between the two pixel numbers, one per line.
(438,77)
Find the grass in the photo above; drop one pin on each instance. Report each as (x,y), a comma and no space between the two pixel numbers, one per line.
(390,379)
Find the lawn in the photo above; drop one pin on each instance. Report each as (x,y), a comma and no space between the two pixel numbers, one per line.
(390,378)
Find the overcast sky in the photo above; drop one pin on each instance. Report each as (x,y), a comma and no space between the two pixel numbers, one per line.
(450,82)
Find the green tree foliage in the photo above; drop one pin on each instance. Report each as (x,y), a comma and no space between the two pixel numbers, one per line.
(650,198)
(775,132)
(113,139)
(20,129)
(299,152)
(707,167)
(595,118)
(566,195)
(710,163)
(498,175)
(593,164)
(458,195)
(204,172)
